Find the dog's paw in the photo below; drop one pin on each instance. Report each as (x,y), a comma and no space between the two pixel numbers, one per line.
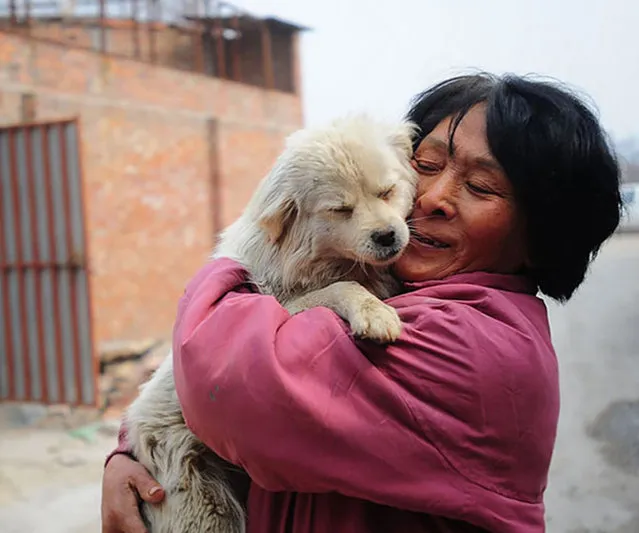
(376,321)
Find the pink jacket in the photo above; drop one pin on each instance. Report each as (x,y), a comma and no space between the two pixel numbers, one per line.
(450,429)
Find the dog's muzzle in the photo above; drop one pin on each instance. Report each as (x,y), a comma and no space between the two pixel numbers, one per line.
(386,243)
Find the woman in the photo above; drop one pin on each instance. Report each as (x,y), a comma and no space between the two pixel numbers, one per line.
(450,429)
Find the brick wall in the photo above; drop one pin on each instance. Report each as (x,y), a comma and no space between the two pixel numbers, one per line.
(153,142)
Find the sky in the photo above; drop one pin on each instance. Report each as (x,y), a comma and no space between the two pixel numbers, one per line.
(367,56)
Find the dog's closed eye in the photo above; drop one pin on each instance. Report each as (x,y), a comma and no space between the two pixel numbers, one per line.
(342,209)
(386,193)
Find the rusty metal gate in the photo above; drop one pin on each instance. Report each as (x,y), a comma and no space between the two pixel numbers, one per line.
(46,347)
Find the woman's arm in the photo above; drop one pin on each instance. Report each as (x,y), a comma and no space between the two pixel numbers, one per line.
(294,401)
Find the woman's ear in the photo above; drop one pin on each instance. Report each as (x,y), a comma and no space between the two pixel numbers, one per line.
(277,220)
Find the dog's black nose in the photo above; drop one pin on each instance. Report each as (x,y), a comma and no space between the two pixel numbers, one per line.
(385,238)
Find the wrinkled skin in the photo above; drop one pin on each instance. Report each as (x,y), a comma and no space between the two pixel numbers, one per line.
(125,482)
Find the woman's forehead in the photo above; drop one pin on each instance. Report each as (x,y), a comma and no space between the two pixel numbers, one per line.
(469,139)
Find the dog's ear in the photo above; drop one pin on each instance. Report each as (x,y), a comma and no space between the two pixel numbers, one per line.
(277,219)
(401,137)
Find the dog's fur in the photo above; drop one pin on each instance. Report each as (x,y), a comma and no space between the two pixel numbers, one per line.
(321,229)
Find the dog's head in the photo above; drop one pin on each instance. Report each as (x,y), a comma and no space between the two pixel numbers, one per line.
(342,191)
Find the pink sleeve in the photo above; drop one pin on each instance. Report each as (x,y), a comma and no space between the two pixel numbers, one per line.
(122,447)
(293,400)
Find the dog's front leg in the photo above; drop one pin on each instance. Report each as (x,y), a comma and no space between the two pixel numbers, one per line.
(368,316)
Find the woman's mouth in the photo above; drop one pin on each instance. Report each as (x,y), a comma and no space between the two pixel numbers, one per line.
(428,240)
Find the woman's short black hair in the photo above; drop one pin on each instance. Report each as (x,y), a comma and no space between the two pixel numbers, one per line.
(554,151)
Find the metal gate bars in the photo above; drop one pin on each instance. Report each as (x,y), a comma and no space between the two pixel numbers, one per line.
(46,347)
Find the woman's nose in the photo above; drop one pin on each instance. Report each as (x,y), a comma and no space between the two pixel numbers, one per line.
(436,197)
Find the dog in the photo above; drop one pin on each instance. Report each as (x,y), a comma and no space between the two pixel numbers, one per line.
(322,229)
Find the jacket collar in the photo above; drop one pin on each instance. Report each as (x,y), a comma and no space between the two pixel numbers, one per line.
(505,282)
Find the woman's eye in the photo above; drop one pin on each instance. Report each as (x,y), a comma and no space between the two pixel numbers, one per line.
(426,166)
(478,188)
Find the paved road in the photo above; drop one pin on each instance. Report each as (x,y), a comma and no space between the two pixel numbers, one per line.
(49,481)
(594,482)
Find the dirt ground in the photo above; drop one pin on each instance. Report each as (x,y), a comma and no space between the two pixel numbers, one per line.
(50,476)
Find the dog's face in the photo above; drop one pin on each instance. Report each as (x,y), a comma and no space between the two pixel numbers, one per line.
(345,190)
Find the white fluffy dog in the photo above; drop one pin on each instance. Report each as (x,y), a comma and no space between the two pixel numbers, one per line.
(321,230)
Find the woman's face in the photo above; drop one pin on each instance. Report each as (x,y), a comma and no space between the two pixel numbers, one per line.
(465,218)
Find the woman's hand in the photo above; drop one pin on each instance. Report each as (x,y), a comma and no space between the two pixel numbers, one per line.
(124,482)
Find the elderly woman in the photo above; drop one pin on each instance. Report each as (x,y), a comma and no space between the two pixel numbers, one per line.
(451,428)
